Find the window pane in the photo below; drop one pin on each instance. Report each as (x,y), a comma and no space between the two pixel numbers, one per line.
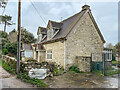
(49,56)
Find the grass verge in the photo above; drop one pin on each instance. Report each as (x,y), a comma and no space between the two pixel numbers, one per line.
(33,81)
(108,72)
(22,76)
(7,67)
(115,62)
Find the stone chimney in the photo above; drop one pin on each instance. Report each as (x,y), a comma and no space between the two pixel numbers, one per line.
(85,7)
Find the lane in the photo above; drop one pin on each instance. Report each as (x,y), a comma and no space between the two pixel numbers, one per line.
(10,81)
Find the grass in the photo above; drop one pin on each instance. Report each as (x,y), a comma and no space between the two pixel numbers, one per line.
(108,72)
(75,69)
(115,62)
(33,81)
(7,67)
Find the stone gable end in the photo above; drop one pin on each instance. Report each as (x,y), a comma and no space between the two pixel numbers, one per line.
(83,40)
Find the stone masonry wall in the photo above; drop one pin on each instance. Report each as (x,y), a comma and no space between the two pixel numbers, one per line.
(83,63)
(57,52)
(83,40)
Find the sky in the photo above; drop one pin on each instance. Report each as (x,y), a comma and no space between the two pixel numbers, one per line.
(105,14)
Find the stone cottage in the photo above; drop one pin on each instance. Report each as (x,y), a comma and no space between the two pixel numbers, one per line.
(71,41)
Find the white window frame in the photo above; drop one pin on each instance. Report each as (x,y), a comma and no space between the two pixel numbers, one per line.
(50,53)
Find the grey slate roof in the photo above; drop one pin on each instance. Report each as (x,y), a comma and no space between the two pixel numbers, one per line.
(67,25)
(27,47)
(43,30)
(64,25)
(56,24)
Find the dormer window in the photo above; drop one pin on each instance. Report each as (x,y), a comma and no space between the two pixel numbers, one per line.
(42,33)
(55,30)
(43,36)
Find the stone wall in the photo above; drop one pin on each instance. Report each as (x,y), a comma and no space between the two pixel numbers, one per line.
(83,40)
(10,60)
(26,66)
(41,56)
(57,52)
(83,63)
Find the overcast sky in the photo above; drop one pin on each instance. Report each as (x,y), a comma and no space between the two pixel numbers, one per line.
(105,14)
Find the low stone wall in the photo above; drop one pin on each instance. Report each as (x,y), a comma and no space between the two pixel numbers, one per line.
(10,60)
(83,63)
(26,66)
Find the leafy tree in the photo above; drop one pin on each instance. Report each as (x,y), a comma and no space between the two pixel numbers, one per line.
(117,47)
(27,37)
(5,51)
(6,21)
(11,47)
(4,38)
(109,46)
(3,34)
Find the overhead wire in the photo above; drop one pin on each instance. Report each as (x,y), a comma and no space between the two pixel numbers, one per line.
(37,11)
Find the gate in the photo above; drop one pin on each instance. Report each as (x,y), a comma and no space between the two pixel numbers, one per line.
(99,63)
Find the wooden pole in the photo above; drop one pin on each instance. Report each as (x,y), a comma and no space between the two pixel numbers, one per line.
(19,36)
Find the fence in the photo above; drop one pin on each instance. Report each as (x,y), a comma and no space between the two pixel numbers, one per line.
(100,63)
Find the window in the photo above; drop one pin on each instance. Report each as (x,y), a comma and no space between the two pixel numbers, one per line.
(49,55)
(22,54)
(55,30)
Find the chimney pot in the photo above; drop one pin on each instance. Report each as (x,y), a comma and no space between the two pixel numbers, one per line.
(85,7)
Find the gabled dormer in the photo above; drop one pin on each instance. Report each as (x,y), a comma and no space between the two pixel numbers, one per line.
(42,34)
(53,28)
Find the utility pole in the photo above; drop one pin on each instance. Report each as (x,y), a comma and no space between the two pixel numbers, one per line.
(19,36)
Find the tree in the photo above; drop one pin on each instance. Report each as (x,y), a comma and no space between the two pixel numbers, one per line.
(11,47)
(117,47)
(109,46)
(3,34)
(6,21)
(4,38)
(27,37)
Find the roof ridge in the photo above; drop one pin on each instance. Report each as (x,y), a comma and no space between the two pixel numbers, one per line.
(55,21)
(42,27)
(71,16)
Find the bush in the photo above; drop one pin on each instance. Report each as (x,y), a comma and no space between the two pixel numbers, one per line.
(5,51)
(58,70)
(33,81)
(74,69)
(31,60)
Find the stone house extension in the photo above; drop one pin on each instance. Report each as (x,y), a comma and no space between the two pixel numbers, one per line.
(71,41)
(27,52)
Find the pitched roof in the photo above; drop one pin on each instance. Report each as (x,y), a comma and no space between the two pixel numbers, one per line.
(67,25)
(42,30)
(56,24)
(27,47)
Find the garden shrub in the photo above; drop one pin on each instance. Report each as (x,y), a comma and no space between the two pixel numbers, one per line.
(5,51)
(31,60)
(74,69)
(58,70)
